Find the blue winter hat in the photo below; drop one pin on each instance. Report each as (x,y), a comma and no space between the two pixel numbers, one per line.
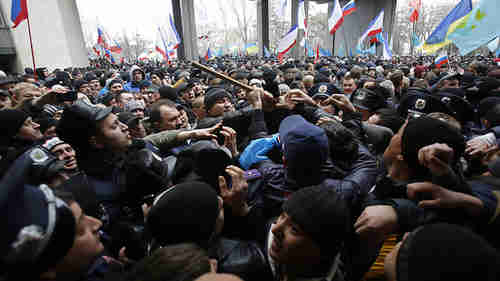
(305,148)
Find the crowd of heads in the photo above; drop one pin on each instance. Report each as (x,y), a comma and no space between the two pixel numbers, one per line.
(162,171)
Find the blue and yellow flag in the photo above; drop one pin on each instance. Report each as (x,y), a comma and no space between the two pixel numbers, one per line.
(252,48)
(439,37)
(478,27)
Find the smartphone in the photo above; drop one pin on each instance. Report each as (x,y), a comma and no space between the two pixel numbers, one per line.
(252,174)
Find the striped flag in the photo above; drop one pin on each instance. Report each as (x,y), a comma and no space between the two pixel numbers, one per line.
(349,8)
(375,27)
(336,18)
(287,42)
(441,60)
(173,35)
(18,12)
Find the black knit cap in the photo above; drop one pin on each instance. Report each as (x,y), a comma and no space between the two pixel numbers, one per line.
(322,214)
(11,121)
(79,122)
(185,213)
(446,252)
(212,95)
(424,131)
(167,92)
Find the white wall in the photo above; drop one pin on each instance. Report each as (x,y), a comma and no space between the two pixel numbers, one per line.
(56,32)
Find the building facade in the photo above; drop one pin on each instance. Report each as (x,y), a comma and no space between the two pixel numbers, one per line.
(56,34)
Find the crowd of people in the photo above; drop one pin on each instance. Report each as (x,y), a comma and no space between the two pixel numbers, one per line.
(154,172)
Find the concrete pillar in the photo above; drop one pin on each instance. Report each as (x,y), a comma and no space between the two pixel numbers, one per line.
(177,14)
(297,50)
(263,25)
(356,23)
(189,30)
(330,42)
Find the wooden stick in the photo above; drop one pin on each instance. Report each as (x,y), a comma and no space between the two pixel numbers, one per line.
(222,76)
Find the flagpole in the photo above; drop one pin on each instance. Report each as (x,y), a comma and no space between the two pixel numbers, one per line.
(31,41)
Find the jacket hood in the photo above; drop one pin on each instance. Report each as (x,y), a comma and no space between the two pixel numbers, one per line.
(305,148)
(134,68)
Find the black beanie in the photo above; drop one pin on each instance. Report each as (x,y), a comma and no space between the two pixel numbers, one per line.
(167,92)
(11,121)
(185,213)
(446,252)
(212,95)
(424,131)
(322,214)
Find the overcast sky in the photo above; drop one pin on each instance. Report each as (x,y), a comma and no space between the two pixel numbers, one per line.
(144,16)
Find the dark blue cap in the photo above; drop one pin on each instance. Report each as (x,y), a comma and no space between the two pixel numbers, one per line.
(305,147)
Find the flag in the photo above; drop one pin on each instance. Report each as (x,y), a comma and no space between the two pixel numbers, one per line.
(371,51)
(336,18)
(18,12)
(415,4)
(349,8)
(342,52)
(441,60)
(416,40)
(439,37)
(478,27)
(96,50)
(493,45)
(172,53)
(266,52)
(310,51)
(377,39)
(375,27)
(282,9)
(287,42)
(173,35)
(208,55)
(160,45)
(101,40)
(109,56)
(386,52)
(252,48)
(325,53)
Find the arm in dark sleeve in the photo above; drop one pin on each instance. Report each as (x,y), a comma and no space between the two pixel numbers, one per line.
(258,128)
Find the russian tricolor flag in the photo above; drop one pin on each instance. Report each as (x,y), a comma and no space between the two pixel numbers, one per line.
(101,38)
(19,11)
(441,60)
(349,8)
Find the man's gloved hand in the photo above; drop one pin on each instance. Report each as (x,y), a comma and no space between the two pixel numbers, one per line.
(257,151)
